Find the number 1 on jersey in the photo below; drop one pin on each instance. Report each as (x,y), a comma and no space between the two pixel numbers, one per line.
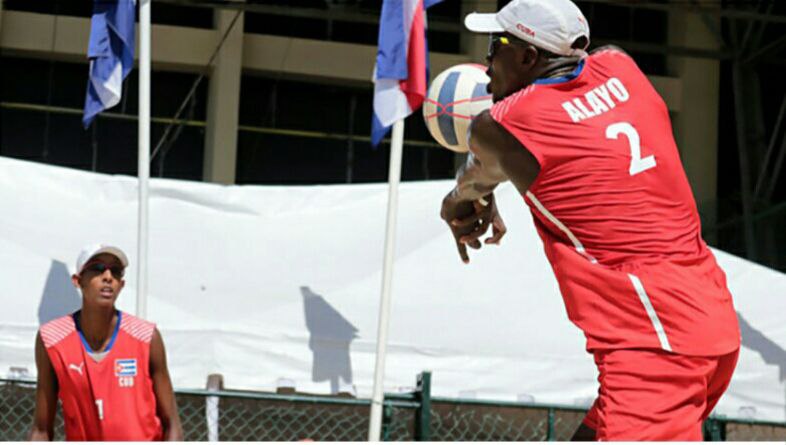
(100,406)
(637,164)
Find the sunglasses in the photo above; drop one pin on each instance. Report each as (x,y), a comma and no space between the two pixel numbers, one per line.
(99,268)
(495,41)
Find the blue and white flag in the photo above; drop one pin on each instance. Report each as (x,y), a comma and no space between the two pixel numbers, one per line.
(125,367)
(401,72)
(111,54)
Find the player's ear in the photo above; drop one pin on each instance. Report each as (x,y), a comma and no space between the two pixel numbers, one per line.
(75,280)
(529,56)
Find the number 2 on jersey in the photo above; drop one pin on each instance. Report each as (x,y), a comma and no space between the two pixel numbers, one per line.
(637,164)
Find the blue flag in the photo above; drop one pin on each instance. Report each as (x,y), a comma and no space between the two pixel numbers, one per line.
(111,54)
(401,72)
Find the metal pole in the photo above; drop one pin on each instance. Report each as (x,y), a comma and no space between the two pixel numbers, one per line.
(776,171)
(387,422)
(350,137)
(550,430)
(215,383)
(423,412)
(394,176)
(759,31)
(764,50)
(144,155)
(742,150)
(748,30)
(773,138)
(94,146)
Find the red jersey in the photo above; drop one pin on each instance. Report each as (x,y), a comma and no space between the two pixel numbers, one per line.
(615,211)
(111,399)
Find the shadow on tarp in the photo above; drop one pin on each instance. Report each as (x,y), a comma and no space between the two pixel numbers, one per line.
(60,297)
(331,335)
(771,352)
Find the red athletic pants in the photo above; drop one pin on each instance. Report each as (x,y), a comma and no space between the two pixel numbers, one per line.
(653,395)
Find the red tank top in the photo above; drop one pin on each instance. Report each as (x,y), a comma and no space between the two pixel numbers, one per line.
(616,213)
(111,399)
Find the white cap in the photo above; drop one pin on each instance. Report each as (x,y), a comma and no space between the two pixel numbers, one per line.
(553,25)
(88,252)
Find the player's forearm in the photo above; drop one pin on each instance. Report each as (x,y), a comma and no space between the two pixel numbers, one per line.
(173,432)
(474,181)
(167,409)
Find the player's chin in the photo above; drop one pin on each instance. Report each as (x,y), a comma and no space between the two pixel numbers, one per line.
(497,94)
(104,299)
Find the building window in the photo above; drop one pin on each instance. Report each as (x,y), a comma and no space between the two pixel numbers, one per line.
(41,106)
(306,133)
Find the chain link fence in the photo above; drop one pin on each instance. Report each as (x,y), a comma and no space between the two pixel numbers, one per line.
(17,403)
(272,417)
(250,416)
(496,421)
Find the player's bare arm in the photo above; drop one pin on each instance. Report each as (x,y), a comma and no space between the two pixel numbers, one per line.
(166,406)
(45,395)
(496,156)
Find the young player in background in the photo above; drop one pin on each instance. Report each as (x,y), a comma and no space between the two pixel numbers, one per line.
(588,143)
(107,367)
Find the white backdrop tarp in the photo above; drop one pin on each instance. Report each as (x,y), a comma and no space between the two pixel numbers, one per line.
(264,283)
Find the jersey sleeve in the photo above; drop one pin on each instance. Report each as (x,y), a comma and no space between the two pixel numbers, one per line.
(56,330)
(515,117)
(137,328)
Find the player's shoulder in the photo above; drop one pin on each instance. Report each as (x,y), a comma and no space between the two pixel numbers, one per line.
(136,327)
(505,107)
(53,332)
(612,56)
(609,50)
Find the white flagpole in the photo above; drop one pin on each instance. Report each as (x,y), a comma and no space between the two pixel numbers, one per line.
(144,155)
(394,177)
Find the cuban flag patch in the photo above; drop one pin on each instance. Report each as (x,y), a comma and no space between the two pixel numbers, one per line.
(125,367)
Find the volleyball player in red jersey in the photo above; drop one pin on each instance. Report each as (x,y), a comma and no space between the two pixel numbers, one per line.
(107,367)
(588,143)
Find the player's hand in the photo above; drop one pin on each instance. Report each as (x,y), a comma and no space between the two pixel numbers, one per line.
(470,220)
(452,210)
(485,215)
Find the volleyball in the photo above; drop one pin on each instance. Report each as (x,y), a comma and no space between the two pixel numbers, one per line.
(454,97)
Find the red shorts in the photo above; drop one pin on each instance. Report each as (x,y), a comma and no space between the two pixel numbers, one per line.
(648,395)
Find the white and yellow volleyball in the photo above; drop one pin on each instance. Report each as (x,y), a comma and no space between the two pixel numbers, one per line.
(456,95)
